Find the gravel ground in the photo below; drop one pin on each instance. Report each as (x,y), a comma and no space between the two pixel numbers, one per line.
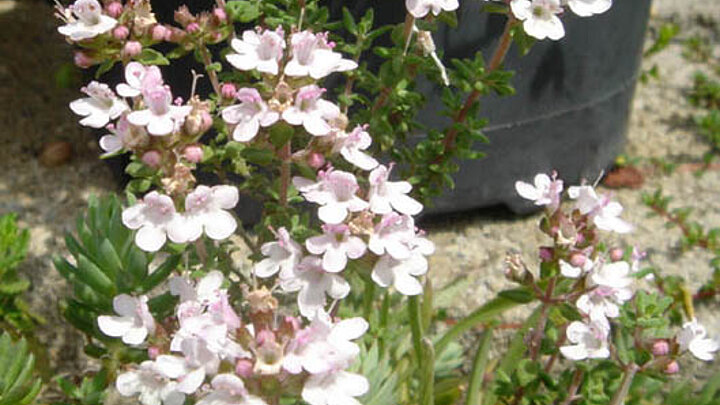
(34,112)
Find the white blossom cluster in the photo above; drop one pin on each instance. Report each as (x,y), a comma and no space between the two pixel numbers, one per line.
(541,18)
(609,284)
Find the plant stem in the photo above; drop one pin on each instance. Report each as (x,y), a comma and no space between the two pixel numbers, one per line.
(627,379)
(574,385)
(285,155)
(495,62)
(368,299)
(427,379)
(477,376)
(416,327)
(207,61)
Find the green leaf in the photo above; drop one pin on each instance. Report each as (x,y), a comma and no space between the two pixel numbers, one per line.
(349,22)
(161,273)
(18,386)
(91,275)
(243,11)
(280,134)
(485,313)
(520,295)
(149,56)
(475,389)
(262,157)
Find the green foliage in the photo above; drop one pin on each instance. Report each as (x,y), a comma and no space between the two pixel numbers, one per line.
(14,312)
(705,91)
(107,263)
(18,383)
(90,391)
(662,39)
(697,49)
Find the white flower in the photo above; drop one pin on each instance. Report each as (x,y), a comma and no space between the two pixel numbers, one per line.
(191,369)
(155,217)
(153,387)
(87,21)
(139,77)
(385,195)
(324,346)
(605,213)
(313,56)
(393,235)
(420,8)
(313,282)
(336,245)
(206,210)
(546,191)
(352,145)
(101,107)
(134,323)
(589,341)
(611,284)
(335,192)
(228,389)
(249,115)
(401,273)
(586,8)
(312,112)
(260,51)
(539,17)
(337,388)
(160,117)
(123,136)
(570,271)
(693,337)
(281,256)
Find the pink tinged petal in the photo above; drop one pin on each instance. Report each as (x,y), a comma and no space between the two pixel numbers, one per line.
(339,287)
(160,126)
(246,131)
(398,250)
(295,69)
(574,352)
(601,353)
(359,159)
(132,217)
(226,197)
(266,268)
(171,366)
(115,326)
(318,244)
(292,363)
(332,213)
(128,384)
(314,393)
(352,384)
(140,118)
(97,119)
(527,191)
(355,247)
(219,225)
(703,348)
(184,228)
(242,62)
(268,66)
(125,305)
(111,143)
(382,273)
(567,270)
(310,299)
(315,125)
(192,381)
(406,205)
(407,284)
(334,259)
(349,329)
(269,118)
(576,331)
(293,116)
(135,335)
(150,238)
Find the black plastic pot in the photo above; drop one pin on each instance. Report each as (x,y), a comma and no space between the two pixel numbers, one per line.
(571,109)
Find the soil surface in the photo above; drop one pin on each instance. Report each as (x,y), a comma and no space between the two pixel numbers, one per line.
(34,112)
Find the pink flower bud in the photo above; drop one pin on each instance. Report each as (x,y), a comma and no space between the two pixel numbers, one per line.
(192,28)
(152,158)
(316,160)
(661,348)
(159,33)
(672,368)
(206,121)
(545,254)
(220,14)
(578,259)
(153,352)
(265,336)
(579,238)
(132,48)
(175,35)
(193,153)
(616,254)
(244,368)
(120,32)
(82,60)
(293,322)
(228,90)
(114,9)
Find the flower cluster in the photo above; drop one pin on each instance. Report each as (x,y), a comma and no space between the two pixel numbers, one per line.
(607,282)
(207,342)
